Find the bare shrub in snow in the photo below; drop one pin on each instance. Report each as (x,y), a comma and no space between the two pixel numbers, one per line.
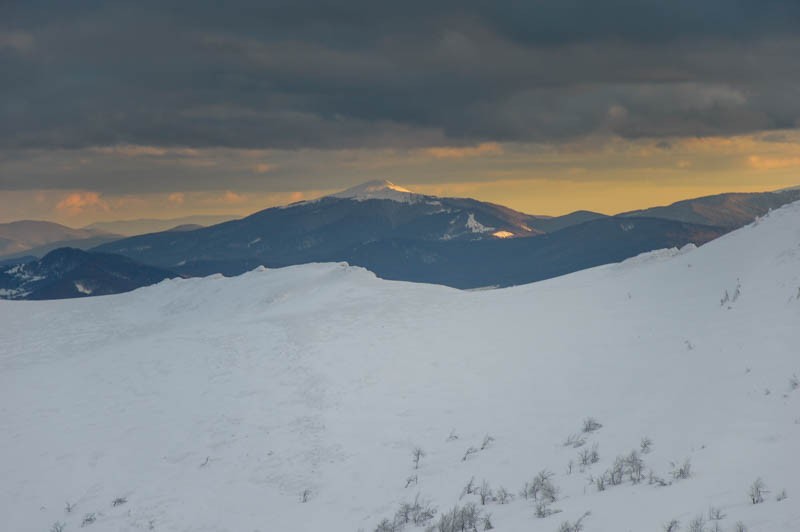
(88,519)
(739,527)
(417,455)
(715,527)
(652,478)
(418,513)
(421,511)
(58,526)
(698,524)
(570,466)
(631,465)
(587,457)
(590,424)
(594,454)
(424,516)
(542,488)
(757,491)
(485,493)
(452,436)
(403,515)
(470,516)
(681,471)
(781,495)
(575,441)
(386,526)
(469,489)
(119,501)
(646,445)
(616,472)
(634,466)
(412,480)
(486,521)
(460,519)
(68,507)
(305,495)
(599,481)
(672,526)
(543,509)
(469,452)
(487,441)
(503,496)
(583,458)
(794,382)
(715,514)
(577,526)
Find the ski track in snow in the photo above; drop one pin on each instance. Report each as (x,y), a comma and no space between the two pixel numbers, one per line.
(212,404)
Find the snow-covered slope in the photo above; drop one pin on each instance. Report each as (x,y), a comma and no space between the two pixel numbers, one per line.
(221,404)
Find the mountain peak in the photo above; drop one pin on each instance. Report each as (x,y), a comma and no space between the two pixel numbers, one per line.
(377,189)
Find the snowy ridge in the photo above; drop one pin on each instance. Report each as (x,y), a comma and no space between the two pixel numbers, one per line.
(224,403)
(658,255)
(378,189)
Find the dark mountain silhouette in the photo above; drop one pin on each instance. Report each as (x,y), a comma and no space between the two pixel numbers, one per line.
(730,210)
(69,272)
(314,230)
(397,234)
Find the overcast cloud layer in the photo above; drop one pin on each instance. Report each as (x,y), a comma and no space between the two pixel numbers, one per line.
(336,74)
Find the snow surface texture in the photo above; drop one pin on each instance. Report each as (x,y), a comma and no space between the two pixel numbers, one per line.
(475,226)
(221,404)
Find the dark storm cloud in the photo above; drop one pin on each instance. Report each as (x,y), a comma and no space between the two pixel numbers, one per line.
(332,74)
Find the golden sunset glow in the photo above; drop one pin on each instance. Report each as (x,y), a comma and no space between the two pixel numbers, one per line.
(604,175)
(546,120)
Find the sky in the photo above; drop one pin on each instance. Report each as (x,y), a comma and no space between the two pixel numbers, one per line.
(119,110)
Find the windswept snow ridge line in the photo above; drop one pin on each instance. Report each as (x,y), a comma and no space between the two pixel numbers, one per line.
(294,398)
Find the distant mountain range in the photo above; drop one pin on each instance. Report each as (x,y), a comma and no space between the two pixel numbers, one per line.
(30,239)
(69,272)
(335,228)
(731,210)
(154,225)
(33,237)
(455,241)
(402,235)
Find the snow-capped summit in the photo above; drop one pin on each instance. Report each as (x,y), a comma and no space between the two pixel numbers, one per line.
(378,189)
